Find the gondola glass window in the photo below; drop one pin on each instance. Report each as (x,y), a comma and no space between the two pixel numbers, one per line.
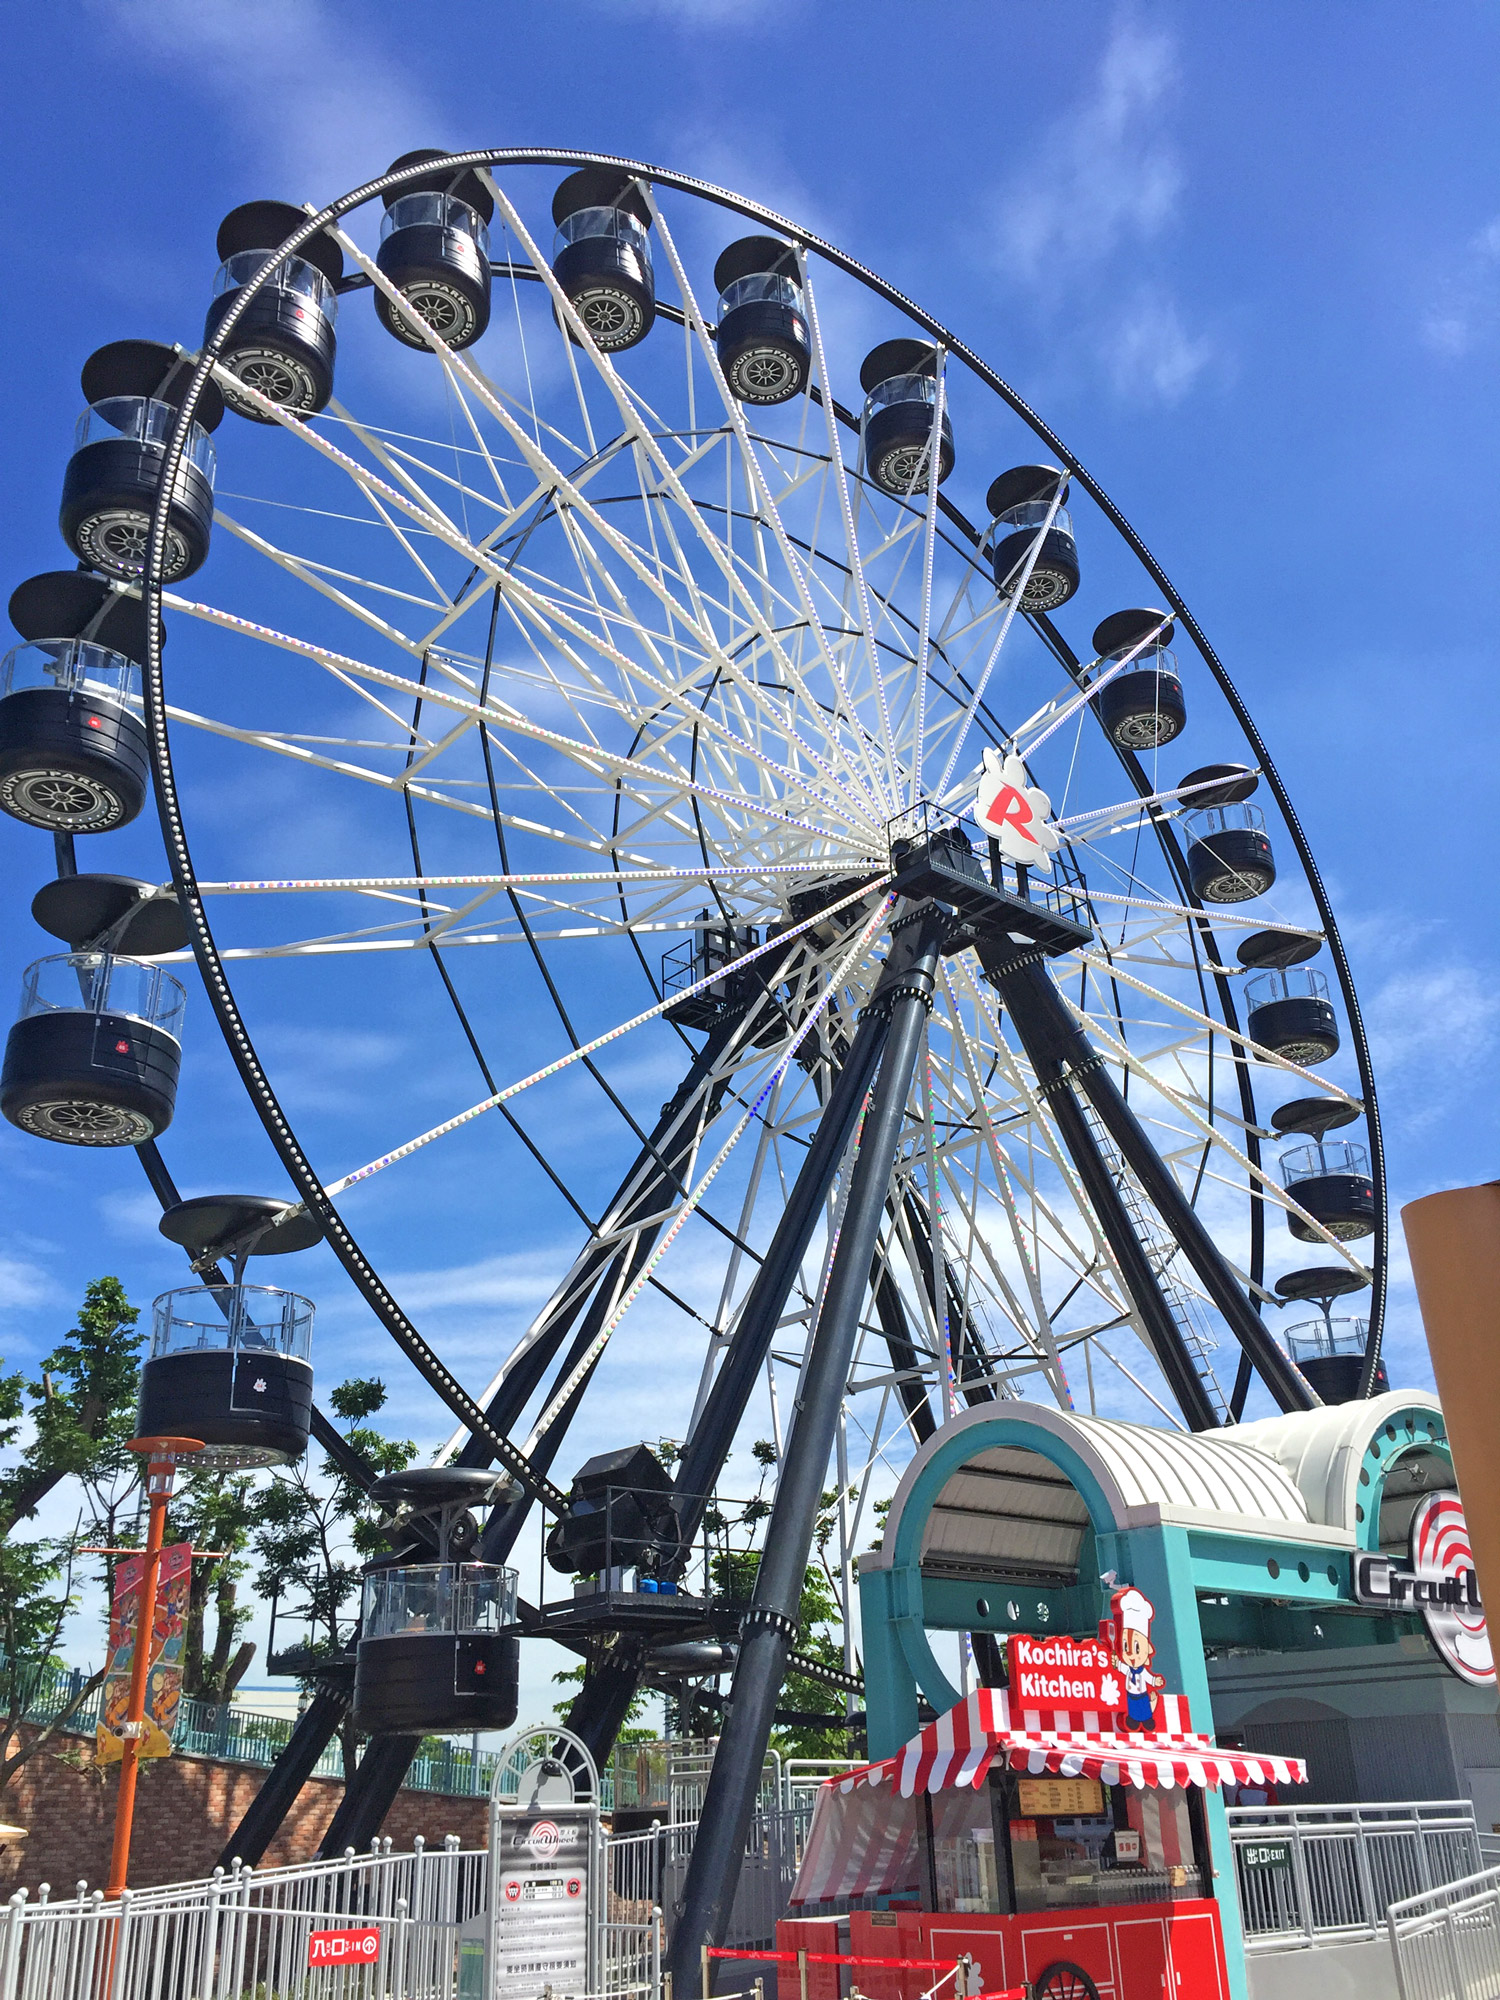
(132,388)
(438,1597)
(1331,1180)
(602,256)
(73,755)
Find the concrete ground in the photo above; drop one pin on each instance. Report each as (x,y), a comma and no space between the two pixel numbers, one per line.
(1362,1971)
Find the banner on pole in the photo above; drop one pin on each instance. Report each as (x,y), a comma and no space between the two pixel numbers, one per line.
(164,1669)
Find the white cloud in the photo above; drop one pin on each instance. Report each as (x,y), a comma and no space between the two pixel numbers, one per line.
(1079,230)
(515,1278)
(329,108)
(1468,305)
(1429,1027)
(130,1215)
(23,1283)
(1108,175)
(1153,358)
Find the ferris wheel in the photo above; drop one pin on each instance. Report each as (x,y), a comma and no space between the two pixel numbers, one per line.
(638,635)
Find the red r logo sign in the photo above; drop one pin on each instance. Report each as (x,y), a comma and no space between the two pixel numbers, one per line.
(1010,808)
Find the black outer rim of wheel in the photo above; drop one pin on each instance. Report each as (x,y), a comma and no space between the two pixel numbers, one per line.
(205,950)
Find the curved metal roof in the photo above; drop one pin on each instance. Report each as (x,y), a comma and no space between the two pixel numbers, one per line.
(1323,1450)
(1008,1507)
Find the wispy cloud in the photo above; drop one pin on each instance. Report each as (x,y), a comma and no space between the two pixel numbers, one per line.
(1467,309)
(1081,230)
(1152,356)
(23,1283)
(1431,1027)
(330,107)
(1108,175)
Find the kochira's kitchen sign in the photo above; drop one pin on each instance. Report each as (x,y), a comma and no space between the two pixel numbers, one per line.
(1440,1582)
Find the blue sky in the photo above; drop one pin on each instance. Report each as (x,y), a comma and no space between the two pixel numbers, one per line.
(1245,261)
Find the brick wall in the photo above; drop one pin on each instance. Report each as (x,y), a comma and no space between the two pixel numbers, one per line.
(185,1810)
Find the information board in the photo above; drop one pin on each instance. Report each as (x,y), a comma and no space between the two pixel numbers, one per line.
(545,1862)
(1060,1798)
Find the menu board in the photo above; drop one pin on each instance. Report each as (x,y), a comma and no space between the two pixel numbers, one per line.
(1060,1798)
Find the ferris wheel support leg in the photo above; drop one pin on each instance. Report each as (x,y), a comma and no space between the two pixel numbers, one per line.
(1064,1059)
(770,1625)
(1285,1382)
(363,1808)
(1146,1295)
(284,1781)
(711,1438)
(896,1328)
(598,1710)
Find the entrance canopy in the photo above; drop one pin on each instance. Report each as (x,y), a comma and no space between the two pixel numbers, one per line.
(959,1748)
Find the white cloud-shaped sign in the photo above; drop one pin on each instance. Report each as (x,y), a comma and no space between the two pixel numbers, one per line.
(1015,813)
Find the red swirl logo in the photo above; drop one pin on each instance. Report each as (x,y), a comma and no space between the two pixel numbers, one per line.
(1440,1553)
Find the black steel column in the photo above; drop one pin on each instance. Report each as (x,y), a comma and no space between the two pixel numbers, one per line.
(1064,1058)
(712,1436)
(771,1622)
(598,1710)
(366,1801)
(643,1191)
(293,1767)
(1286,1383)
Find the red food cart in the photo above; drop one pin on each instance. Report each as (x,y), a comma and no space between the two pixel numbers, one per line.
(1054,1848)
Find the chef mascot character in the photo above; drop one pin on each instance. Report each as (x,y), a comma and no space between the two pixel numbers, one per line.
(1131,1613)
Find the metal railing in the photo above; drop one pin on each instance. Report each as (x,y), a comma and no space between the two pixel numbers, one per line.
(1446,1943)
(239,1735)
(1322,1874)
(246,1933)
(645,1871)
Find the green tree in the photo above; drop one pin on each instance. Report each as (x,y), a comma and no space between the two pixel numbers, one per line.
(72,1422)
(215,1510)
(312,1531)
(81,1410)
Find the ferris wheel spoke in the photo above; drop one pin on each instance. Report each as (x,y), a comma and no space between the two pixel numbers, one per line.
(586,1362)
(312,575)
(593,759)
(586,1049)
(881,803)
(1040,1325)
(1265,1055)
(835,750)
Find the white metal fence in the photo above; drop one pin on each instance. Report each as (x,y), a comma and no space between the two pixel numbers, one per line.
(246,1934)
(1446,1943)
(1316,1874)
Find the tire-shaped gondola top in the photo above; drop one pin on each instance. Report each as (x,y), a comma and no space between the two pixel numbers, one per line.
(899,378)
(1141,706)
(134,389)
(283,344)
(1018,503)
(761,338)
(434,248)
(602,255)
(73,752)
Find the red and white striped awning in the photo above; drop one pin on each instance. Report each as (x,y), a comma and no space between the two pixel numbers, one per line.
(960,1747)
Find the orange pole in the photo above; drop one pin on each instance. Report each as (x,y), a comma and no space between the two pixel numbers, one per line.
(158,1492)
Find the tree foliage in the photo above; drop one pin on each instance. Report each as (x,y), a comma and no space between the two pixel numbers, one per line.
(81,1409)
(72,1422)
(312,1531)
